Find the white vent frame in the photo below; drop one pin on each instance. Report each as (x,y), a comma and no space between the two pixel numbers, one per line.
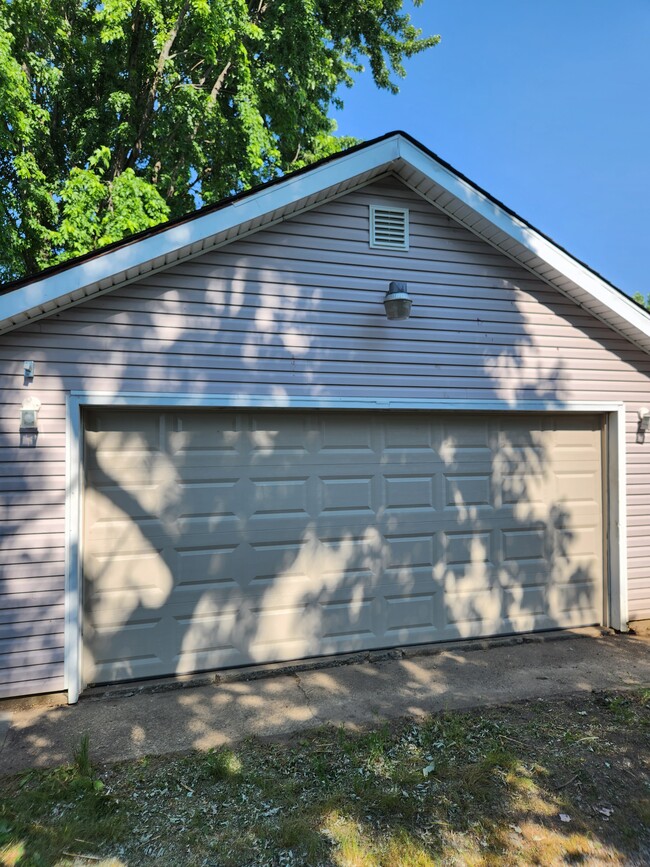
(401,232)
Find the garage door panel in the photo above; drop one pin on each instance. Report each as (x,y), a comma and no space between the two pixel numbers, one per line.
(123,645)
(214,497)
(412,490)
(416,610)
(132,433)
(125,501)
(496,604)
(332,528)
(111,589)
(201,469)
(473,578)
(410,436)
(341,435)
(119,462)
(204,639)
(577,541)
(224,538)
(468,489)
(342,565)
(135,479)
(133,535)
(460,548)
(575,596)
(201,568)
(306,620)
(578,484)
(195,431)
(476,626)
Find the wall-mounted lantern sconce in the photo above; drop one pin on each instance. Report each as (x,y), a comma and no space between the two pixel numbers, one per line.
(397,301)
(29,415)
(644,424)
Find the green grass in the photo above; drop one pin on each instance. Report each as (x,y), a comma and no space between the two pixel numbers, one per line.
(481,788)
(222,764)
(82,757)
(51,812)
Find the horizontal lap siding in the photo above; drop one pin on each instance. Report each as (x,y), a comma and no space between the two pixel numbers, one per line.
(295,310)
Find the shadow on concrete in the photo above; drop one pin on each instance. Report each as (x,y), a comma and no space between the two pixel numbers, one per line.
(359,694)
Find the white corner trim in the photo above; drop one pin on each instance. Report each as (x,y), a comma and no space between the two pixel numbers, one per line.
(617,530)
(73,598)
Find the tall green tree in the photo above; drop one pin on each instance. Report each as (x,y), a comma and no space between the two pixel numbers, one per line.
(117,114)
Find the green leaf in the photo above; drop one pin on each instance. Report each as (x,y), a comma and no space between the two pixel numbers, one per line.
(121,113)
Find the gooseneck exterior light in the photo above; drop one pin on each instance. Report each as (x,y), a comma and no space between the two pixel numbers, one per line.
(397,301)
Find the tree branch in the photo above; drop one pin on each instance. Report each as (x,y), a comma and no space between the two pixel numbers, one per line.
(120,156)
(214,93)
(212,98)
(163,57)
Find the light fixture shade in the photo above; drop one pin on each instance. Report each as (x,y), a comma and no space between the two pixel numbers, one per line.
(397,301)
(29,414)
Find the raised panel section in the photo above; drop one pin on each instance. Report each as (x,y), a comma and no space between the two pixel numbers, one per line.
(347,617)
(343,436)
(346,494)
(467,490)
(464,548)
(524,544)
(282,497)
(408,493)
(405,613)
(205,567)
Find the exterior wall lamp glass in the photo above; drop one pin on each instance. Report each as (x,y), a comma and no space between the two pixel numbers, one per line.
(29,415)
(397,301)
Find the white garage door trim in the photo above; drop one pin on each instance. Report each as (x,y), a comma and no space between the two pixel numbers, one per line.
(614,412)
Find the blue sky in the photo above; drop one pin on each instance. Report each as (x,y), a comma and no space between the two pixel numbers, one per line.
(544,104)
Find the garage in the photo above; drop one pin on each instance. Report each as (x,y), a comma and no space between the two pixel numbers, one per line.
(363,406)
(220,538)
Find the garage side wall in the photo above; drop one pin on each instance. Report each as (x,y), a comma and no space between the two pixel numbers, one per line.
(295,310)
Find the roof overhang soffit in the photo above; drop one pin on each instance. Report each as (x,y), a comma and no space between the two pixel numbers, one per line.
(420,170)
(117,267)
(501,229)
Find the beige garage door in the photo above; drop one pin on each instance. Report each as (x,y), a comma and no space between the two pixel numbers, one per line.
(220,538)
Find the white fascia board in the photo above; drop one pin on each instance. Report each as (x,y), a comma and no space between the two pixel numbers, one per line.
(58,288)
(597,288)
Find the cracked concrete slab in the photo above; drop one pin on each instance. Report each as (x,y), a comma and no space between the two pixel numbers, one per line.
(307,699)
(409,685)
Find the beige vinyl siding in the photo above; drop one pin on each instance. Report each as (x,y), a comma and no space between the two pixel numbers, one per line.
(295,310)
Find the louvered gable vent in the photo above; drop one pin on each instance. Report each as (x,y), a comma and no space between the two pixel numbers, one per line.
(389,228)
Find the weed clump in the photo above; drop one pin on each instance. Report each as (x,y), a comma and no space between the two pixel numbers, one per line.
(222,765)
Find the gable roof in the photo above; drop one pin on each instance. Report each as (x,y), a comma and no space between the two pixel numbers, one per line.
(395,153)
